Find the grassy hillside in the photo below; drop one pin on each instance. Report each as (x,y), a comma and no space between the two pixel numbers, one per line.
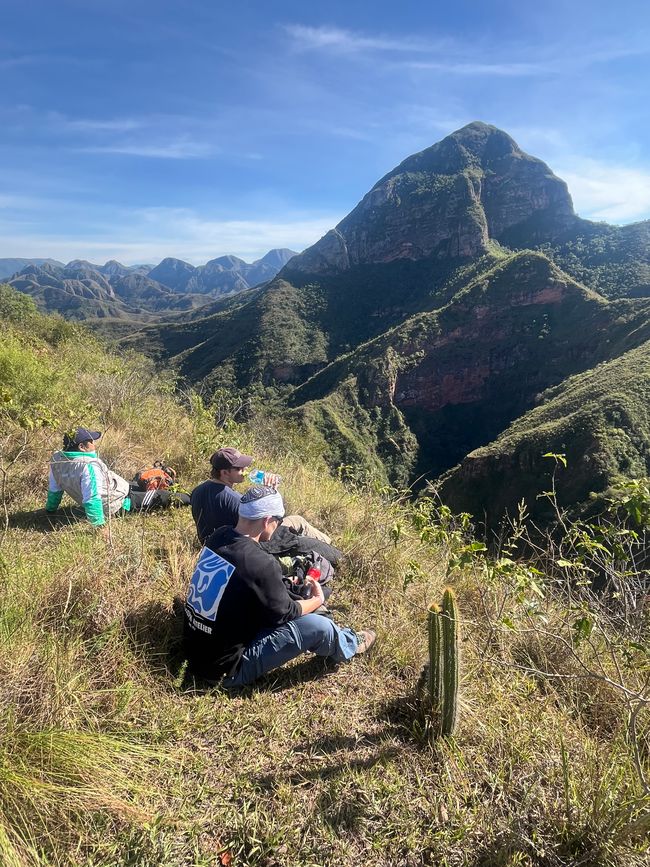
(294,326)
(453,378)
(112,755)
(599,419)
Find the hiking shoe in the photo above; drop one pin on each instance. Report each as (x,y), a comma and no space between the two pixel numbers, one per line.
(366,638)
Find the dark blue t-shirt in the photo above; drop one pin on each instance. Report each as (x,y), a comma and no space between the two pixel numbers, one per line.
(214,505)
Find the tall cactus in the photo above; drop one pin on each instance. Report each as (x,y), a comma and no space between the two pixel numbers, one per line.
(451,662)
(435,660)
(444,663)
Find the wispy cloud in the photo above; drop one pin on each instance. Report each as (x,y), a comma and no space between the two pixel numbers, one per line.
(602,191)
(503,69)
(338,39)
(44,58)
(456,57)
(20,60)
(178,232)
(21,202)
(124,124)
(450,56)
(182,149)
(604,52)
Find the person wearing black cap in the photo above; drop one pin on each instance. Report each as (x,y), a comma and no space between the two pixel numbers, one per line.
(77,471)
(240,619)
(215,504)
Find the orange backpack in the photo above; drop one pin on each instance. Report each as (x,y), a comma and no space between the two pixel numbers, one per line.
(155,478)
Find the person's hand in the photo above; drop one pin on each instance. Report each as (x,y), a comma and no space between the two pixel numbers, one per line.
(316,589)
(271,480)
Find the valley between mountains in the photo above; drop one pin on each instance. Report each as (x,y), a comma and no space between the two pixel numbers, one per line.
(459,324)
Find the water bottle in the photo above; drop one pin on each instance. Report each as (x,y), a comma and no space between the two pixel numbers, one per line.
(312,572)
(257,477)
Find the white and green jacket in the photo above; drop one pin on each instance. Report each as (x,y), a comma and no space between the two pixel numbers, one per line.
(87,479)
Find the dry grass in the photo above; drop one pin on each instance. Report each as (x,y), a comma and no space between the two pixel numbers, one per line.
(113,755)
(314,766)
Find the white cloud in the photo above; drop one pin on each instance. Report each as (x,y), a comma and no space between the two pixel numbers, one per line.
(464,58)
(338,39)
(177,232)
(603,191)
(181,149)
(500,69)
(126,124)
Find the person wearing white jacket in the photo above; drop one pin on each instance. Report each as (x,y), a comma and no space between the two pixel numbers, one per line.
(77,471)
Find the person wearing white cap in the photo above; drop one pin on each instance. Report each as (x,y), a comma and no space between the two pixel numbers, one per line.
(240,620)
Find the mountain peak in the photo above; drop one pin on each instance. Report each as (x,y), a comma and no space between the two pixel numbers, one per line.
(474,145)
(477,134)
(447,202)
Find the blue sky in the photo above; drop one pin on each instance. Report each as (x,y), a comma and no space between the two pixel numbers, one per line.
(136,130)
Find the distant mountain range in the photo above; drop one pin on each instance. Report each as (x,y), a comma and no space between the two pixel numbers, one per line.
(9,267)
(83,290)
(459,323)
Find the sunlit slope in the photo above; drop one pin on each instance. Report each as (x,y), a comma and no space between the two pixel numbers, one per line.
(600,420)
(431,390)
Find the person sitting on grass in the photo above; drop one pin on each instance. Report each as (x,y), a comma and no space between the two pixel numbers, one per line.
(240,620)
(78,472)
(216,504)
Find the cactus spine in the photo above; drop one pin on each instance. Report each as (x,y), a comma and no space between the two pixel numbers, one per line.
(444,663)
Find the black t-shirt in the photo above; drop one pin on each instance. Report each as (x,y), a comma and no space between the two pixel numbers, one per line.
(235,593)
(214,505)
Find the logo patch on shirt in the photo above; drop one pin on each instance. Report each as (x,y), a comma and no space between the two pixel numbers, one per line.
(208,583)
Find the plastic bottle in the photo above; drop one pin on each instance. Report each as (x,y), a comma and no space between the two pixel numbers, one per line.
(312,572)
(257,477)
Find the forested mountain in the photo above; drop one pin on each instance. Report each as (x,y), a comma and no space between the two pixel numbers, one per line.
(435,314)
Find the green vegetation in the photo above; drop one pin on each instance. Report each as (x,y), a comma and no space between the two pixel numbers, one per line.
(599,419)
(500,341)
(460,288)
(444,663)
(613,260)
(112,755)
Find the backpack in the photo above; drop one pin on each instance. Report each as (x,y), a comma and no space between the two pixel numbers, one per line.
(295,569)
(155,478)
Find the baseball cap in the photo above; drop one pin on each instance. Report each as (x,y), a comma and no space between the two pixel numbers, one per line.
(226,459)
(81,435)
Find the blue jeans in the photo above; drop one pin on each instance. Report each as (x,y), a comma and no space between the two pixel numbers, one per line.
(311,632)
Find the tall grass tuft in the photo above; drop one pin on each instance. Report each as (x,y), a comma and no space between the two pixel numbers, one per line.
(54,782)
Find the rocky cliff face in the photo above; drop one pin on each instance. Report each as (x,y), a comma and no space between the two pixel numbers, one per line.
(446,201)
(598,420)
(459,375)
